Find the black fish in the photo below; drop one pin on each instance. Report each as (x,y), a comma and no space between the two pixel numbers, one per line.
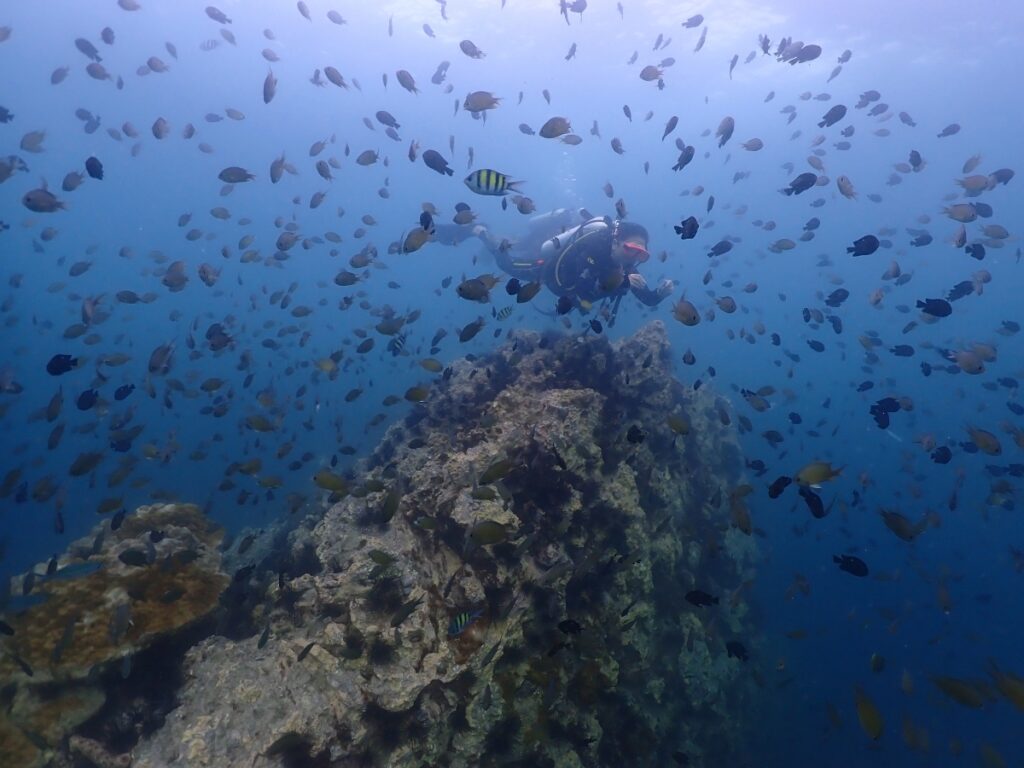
(426,221)
(837,297)
(864,386)
(852,565)
(21,663)
(61,364)
(935,307)
(942,455)
(305,651)
(564,305)
(133,557)
(864,246)
(123,391)
(700,598)
(687,228)
(263,637)
(961,289)
(434,161)
(512,286)
(720,248)
(801,183)
(94,168)
(881,417)
(902,350)
(778,486)
(736,650)
(833,116)
(685,156)
(87,399)
(975,251)
(570,627)
(635,435)
(6,628)
(595,326)
(116,520)
(889,404)
(813,502)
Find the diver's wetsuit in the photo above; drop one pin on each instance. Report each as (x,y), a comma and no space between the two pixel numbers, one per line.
(576,263)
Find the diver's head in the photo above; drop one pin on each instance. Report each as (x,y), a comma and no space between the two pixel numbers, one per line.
(629,243)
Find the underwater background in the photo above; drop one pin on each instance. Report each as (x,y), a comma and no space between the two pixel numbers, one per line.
(239,418)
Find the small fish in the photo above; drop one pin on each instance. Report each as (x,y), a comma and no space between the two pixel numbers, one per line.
(816,473)
(935,307)
(864,246)
(851,564)
(687,228)
(778,486)
(486,181)
(433,160)
(61,364)
(462,621)
(94,168)
(700,598)
(570,627)
(801,183)
(488,532)
(635,435)
(736,650)
(405,611)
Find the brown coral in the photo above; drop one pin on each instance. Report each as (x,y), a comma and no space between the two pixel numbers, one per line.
(120,608)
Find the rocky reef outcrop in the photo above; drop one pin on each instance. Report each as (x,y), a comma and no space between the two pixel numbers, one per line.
(111,596)
(505,582)
(544,564)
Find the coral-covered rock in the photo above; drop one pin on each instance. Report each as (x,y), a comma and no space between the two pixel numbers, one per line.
(116,593)
(506,581)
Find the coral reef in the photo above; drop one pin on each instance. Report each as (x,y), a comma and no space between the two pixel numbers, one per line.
(506,584)
(113,594)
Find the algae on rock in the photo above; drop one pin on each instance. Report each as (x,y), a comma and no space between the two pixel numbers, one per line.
(111,606)
(561,637)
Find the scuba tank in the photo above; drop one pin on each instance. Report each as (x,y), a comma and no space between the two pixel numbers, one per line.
(558,246)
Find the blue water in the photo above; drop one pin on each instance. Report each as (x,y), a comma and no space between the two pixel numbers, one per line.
(941,62)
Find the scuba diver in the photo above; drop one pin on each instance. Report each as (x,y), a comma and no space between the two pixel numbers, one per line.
(583,264)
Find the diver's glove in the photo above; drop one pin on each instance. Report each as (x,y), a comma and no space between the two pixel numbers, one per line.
(665,288)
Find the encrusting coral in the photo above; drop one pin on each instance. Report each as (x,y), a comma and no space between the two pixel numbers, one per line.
(505,582)
(112,594)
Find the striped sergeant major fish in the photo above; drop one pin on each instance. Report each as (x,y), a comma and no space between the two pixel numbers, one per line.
(489,182)
(461,621)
